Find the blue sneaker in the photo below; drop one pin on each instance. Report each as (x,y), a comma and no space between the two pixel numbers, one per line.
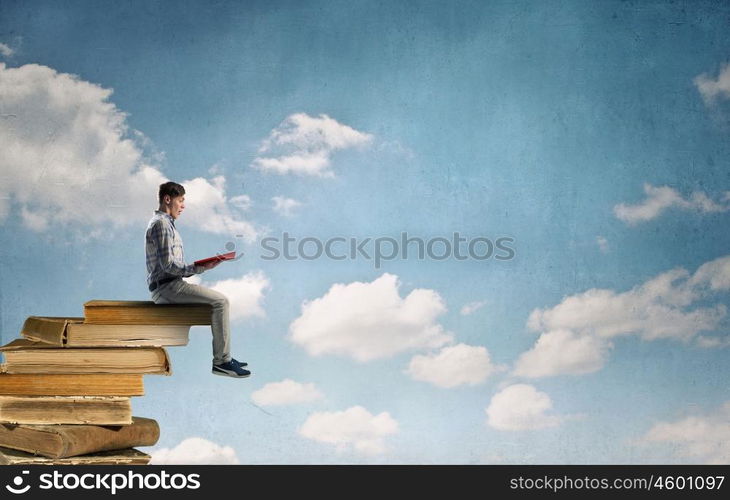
(231,369)
(238,362)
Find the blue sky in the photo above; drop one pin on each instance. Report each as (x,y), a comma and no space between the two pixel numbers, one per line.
(594,134)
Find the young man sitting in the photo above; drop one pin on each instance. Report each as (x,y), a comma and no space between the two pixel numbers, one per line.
(166,269)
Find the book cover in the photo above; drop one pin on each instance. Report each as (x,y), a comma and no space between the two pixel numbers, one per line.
(59,441)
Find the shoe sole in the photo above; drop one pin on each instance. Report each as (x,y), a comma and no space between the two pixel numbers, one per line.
(230,374)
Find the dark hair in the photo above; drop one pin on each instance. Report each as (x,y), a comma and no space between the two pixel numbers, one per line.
(170,188)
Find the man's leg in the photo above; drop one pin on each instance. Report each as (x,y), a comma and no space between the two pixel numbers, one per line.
(182,292)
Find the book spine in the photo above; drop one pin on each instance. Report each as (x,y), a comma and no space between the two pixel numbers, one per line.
(82,440)
(39,410)
(93,384)
(109,360)
(164,314)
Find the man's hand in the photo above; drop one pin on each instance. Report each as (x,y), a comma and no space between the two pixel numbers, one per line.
(211,265)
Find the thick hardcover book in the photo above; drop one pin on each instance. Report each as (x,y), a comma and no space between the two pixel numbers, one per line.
(117,457)
(59,441)
(26,356)
(120,312)
(107,410)
(220,257)
(73,332)
(91,384)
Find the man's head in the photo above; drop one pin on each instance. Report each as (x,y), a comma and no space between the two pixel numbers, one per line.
(172,198)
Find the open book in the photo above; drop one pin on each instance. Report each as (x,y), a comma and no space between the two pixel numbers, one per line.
(225,256)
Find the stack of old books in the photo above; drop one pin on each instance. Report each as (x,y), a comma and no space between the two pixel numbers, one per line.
(66,385)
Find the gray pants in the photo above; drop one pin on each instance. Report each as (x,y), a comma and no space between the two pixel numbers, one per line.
(182,292)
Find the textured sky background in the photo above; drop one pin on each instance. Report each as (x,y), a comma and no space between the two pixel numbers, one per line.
(594,134)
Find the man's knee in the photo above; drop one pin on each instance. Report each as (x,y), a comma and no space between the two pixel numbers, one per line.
(221,302)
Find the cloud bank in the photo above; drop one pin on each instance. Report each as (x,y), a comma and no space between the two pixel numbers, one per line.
(704,439)
(576,334)
(70,158)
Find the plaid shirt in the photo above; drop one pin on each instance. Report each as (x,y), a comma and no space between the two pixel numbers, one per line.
(164,250)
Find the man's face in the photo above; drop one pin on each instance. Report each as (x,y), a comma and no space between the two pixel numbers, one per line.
(177,205)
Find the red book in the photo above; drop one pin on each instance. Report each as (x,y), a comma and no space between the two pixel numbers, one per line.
(224,256)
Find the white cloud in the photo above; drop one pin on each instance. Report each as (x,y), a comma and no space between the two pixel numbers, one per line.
(453,366)
(242,201)
(285,206)
(472,307)
(659,199)
(714,274)
(602,244)
(354,428)
(713,342)
(575,334)
(368,321)
(563,352)
(69,157)
(245,294)
(304,145)
(216,169)
(705,439)
(316,163)
(195,451)
(521,407)
(654,309)
(207,208)
(5,50)
(714,88)
(286,392)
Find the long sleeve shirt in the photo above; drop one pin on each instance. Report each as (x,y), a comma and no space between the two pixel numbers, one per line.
(164,250)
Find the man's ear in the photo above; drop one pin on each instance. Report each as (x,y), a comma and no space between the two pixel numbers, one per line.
(166,199)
